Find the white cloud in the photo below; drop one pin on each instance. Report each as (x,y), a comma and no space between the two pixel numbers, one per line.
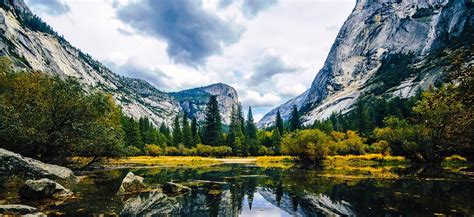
(299,32)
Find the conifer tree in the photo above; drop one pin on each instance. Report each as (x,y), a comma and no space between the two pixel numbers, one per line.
(177,137)
(132,132)
(276,141)
(186,130)
(212,134)
(194,131)
(166,132)
(250,126)
(295,122)
(279,123)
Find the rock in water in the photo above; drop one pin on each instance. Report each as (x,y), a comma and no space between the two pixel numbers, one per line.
(174,188)
(16,209)
(150,204)
(131,184)
(28,168)
(43,188)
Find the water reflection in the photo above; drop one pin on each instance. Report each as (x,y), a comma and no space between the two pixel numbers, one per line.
(238,190)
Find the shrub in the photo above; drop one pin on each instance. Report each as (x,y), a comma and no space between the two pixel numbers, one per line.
(307,145)
(172,151)
(153,150)
(380,147)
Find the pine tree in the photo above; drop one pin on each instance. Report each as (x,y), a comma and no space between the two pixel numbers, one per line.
(276,141)
(251,128)
(186,129)
(132,133)
(279,123)
(295,122)
(166,132)
(194,132)
(177,136)
(212,134)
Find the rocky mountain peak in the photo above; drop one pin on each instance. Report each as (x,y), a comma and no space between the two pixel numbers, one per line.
(33,44)
(384,47)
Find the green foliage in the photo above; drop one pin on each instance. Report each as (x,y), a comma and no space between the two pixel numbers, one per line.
(194,132)
(279,123)
(177,134)
(52,119)
(276,141)
(325,126)
(307,145)
(212,134)
(295,122)
(153,150)
(188,140)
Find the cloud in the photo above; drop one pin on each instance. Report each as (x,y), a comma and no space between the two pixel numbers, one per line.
(50,7)
(251,8)
(224,3)
(132,68)
(332,28)
(269,66)
(255,99)
(192,33)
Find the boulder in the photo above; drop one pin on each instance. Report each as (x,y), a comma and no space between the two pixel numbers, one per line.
(16,209)
(131,184)
(153,203)
(28,168)
(43,188)
(174,188)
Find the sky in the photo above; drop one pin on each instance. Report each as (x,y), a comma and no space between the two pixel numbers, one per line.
(268,50)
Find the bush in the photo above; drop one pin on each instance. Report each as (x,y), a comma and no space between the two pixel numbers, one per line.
(132,151)
(153,150)
(347,143)
(307,145)
(264,151)
(172,151)
(217,151)
(380,147)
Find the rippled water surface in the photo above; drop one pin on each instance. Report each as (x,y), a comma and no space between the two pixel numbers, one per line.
(247,190)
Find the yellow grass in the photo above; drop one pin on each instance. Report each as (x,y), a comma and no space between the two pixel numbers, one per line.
(363,166)
(170,161)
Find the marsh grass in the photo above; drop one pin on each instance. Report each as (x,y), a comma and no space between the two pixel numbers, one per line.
(166,161)
(364,166)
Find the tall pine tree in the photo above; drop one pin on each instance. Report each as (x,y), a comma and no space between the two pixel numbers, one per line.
(276,141)
(186,129)
(251,134)
(279,123)
(212,134)
(194,132)
(295,122)
(177,136)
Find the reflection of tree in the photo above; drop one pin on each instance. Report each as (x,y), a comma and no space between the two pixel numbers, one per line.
(278,193)
(250,188)
(213,199)
(236,197)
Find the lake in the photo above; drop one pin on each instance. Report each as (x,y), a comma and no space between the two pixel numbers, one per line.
(248,190)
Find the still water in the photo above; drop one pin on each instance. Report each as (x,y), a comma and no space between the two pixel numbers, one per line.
(248,190)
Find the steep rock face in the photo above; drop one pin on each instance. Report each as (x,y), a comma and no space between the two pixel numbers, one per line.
(378,37)
(194,101)
(40,48)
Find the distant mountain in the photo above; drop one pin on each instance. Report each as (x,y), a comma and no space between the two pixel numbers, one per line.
(194,101)
(32,44)
(386,47)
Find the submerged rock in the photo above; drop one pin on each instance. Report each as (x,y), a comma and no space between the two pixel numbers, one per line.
(28,168)
(43,188)
(131,184)
(16,209)
(150,204)
(174,188)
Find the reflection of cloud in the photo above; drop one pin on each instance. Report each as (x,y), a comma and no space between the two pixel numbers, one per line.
(192,33)
(51,7)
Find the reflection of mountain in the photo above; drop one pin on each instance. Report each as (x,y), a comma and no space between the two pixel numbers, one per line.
(200,202)
(308,205)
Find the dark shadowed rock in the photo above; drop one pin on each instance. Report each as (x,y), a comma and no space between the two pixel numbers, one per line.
(174,188)
(43,188)
(131,184)
(16,209)
(28,168)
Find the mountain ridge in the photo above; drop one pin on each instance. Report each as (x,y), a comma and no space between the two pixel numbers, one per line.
(32,44)
(384,47)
